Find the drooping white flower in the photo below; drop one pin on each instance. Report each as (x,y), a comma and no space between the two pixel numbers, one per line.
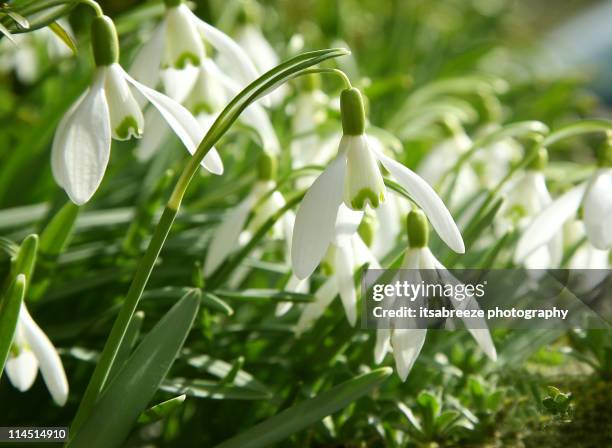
(524,199)
(595,197)
(206,97)
(354,178)
(179,41)
(261,203)
(32,350)
(406,343)
(108,109)
(345,254)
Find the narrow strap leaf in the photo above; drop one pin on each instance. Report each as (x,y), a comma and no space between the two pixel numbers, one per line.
(9,313)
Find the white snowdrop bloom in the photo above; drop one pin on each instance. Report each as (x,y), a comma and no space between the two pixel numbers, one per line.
(345,255)
(586,255)
(179,41)
(32,350)
(523,200)
(595,198)
(354,178)
(261,203)
(82,142)
(406,343)
(206,97)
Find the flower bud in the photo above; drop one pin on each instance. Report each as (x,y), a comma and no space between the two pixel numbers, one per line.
(266,167)
(352,111)
(104,41)
(418,229)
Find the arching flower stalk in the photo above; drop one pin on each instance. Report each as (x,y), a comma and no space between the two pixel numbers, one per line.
(406,343)
(32,350)
(594,196)
(179,42)
(524,199)
(108,109)
(354,178)
(233,232)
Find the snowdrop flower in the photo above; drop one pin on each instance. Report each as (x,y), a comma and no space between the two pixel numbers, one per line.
(81,146)
(354,178)
(206,98)
(233,232)
(524,199)
(586,255)
(345,254)
(179,42)
(406,343)
(30,351)
(595,198)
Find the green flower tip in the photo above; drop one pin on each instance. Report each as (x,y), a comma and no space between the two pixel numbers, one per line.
(172,3)
(104,41)
(127,128)
(266,167)
(418,229)
(186,59)
(540,160)
(365,196)
(352,111)
(367,230)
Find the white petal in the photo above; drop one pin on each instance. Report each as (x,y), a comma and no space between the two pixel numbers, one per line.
(125,115)
(178,84)
(50,363)
(598,210)
(146,65)
(58,168)
(244,68)
(407,345)
(316,218)
(383,344)
(294,284)
(183,44)
(323,297)
(363,183)
(428,200)
(157,134)
(81,148)
(346,284)
(347,222)
(22,369)
(185,126)
(225,238)
(549,222)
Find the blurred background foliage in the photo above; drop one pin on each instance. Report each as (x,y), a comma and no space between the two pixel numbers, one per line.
(249,365)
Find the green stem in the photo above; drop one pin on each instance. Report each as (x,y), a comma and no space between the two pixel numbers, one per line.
(95,6)
(329,71)
(100,375)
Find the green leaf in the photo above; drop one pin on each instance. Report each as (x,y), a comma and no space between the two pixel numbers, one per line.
(56,235)
(161,410)
(9,313)
(64,36)
(306,413)
(26,258)
(128,342)
(257,295)
(212,390)
(129,392)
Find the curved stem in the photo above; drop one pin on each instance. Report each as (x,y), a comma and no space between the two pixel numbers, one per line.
(94,5)
(330,71)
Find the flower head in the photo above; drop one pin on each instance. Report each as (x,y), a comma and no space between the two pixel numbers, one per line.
(406,343)
(354,178)
(108,109)
(32,350)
